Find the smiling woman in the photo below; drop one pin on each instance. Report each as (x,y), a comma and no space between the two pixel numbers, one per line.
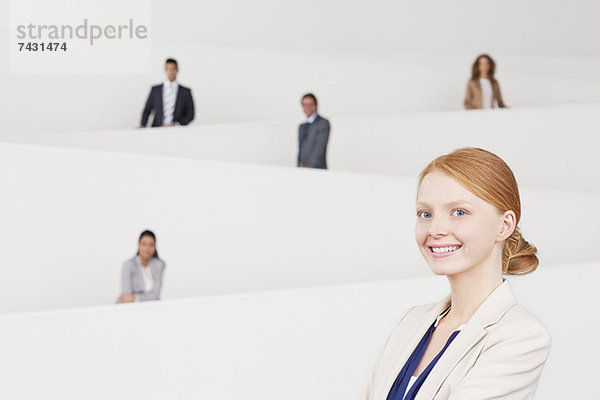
(479,185)
(478,342)
(142,275)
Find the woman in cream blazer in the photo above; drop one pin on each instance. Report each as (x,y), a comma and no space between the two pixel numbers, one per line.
(482,71)
(482,344)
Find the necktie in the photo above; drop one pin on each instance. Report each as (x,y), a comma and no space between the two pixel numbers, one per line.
(303,133)
(169,104)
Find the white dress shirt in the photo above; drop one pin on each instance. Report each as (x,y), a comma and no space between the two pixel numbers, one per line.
(487,94)
(312,118)
(170,90)
(148,280)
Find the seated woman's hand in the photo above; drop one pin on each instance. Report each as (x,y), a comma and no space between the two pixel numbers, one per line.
(127,298)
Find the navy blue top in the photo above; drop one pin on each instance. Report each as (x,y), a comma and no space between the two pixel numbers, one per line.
(401,383)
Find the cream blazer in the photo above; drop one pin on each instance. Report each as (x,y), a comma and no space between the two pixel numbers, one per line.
(499,353)
(473,96)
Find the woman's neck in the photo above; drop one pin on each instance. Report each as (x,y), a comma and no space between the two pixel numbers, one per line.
(484,76)
(145,262)
(469,289)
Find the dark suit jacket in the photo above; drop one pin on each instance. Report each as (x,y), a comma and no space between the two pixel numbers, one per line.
(184,106)
(312,148)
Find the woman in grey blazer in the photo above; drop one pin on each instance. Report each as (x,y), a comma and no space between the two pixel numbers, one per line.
(142,275)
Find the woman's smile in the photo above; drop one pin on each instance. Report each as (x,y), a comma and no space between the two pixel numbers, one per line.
(443,250)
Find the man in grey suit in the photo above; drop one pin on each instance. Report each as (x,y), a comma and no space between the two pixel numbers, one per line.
(313,136)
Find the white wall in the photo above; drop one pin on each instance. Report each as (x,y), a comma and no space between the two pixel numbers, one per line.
(523,28)
(547,147)
(316,343)
(71,217)
(251,63)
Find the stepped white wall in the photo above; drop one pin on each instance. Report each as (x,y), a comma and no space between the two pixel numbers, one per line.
(251,63)
(70,218)
(547,147)
(317,343)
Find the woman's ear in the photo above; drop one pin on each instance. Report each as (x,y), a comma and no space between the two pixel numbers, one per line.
(508,226)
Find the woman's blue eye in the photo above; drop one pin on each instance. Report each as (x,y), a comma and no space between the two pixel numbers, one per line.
(459,213)
(424,214)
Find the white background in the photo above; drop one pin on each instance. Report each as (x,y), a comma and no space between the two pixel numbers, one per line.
(547,147)
(71,217)
(253,61)
(316,343)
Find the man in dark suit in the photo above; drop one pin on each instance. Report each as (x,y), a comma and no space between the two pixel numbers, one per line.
(313,136)
(172,103)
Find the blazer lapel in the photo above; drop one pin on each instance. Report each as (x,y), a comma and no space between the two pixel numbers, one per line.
(488,313)
(469,336)
(478,96)
(494,93)
(159,108)
(177,103)
(138,284)
(415,333)
(154,264)
(311,129)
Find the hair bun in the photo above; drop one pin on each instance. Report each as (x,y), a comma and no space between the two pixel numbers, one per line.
(519,256)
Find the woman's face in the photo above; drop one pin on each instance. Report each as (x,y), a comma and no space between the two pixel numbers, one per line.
(484,66)
(457,231)
(147,247)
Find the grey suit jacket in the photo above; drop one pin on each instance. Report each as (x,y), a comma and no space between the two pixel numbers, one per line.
(498,354)
(132,281)
(312,148)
